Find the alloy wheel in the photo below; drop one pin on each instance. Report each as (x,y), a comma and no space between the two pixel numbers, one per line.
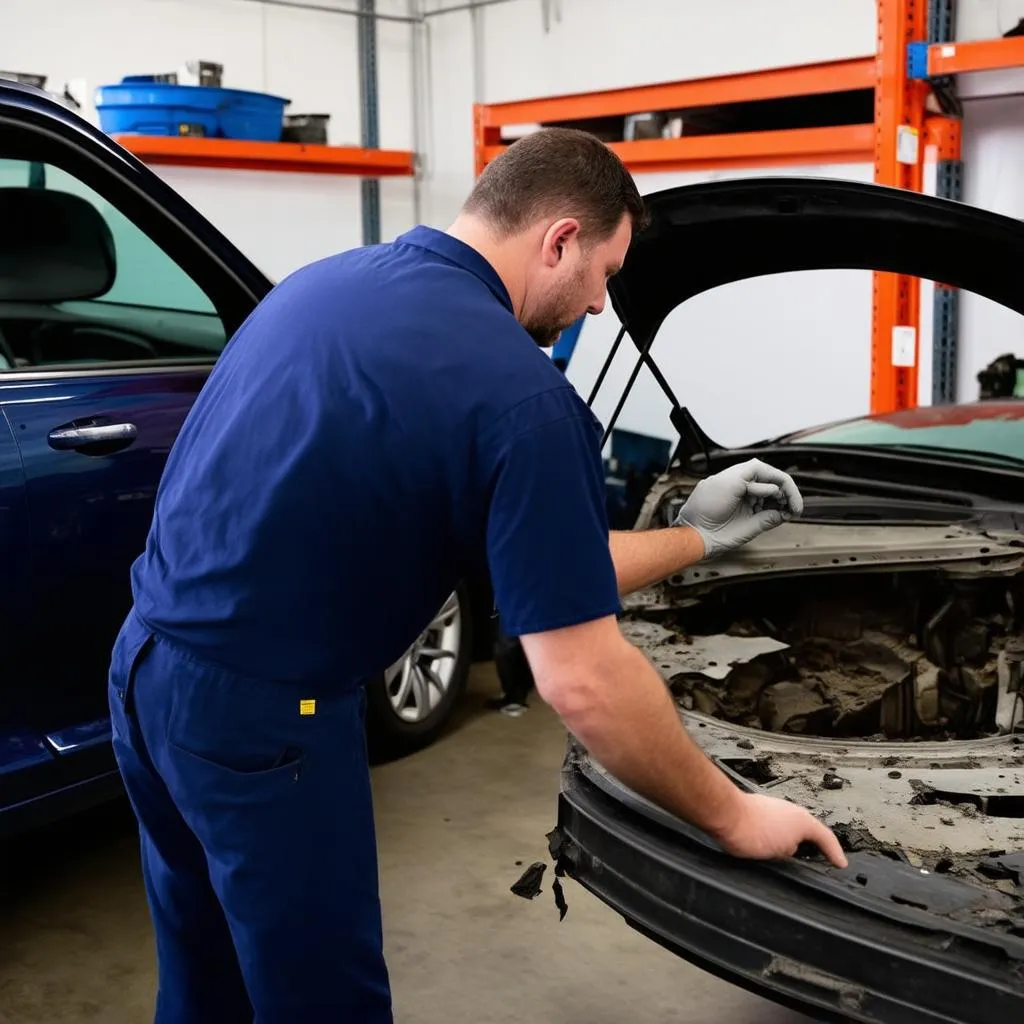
(418,682)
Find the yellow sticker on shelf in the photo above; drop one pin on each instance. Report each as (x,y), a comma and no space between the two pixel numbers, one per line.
(307,707)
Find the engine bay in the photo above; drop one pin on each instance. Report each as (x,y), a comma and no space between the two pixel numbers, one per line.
(888,656)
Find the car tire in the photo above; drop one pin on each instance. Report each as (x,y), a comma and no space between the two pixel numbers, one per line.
(397,723)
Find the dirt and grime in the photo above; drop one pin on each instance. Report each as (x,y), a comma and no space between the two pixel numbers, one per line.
(927,814)
(899,656)
(870,700)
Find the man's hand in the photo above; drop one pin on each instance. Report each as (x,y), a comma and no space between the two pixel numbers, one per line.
(727,509)
(766,828)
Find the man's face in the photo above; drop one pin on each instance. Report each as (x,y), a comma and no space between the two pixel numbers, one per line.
(569,279)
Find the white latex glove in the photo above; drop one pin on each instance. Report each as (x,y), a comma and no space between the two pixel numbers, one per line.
(727,509)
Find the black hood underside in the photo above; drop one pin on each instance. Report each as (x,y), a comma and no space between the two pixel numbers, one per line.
(704,236)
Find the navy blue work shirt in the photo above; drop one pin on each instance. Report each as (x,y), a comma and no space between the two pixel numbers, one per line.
(379,428)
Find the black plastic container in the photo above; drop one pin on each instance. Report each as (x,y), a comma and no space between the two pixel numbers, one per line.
(309,128)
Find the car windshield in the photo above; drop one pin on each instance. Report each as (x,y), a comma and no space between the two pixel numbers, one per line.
(982,430)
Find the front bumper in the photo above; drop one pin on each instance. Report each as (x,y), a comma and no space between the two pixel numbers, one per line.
(778,930)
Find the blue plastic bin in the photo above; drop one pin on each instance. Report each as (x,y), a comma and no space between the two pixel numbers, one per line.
(160,108)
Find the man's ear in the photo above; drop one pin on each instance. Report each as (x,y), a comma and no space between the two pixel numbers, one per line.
(559,235)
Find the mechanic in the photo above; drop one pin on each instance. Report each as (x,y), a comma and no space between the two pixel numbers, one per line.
(384,424)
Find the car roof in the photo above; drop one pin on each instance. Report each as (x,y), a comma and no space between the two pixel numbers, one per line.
(20,98)
(20,94)
(954,414)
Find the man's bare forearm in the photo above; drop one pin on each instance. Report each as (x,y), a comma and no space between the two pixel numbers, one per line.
(622,712)
(643,557)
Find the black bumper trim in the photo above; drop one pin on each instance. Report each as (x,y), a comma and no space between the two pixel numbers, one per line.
(755,928)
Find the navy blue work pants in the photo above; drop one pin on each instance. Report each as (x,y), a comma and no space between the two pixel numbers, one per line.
(258,844)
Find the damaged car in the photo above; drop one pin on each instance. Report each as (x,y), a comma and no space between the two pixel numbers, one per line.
(865,661)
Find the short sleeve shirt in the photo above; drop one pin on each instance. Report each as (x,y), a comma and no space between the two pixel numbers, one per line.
(380,428)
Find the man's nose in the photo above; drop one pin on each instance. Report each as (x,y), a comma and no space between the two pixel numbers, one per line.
(597,306)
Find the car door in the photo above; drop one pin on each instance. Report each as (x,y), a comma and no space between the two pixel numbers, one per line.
(15,746)
(112,312)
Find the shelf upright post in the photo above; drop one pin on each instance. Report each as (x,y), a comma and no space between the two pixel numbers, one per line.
(899,159)
(370,115)
(486,135)
(945,134)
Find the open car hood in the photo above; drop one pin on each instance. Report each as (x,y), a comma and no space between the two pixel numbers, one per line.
(703,236)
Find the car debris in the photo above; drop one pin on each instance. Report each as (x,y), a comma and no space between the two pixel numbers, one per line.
(900,655)
(876,698)
(528,885)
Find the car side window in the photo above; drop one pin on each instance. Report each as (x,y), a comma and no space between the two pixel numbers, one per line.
(82,286)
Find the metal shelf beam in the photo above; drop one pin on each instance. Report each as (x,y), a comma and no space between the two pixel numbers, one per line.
(983,55)
(237,154)
(846,144)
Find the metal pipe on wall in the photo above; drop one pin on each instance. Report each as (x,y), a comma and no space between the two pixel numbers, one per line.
(419,88)
(349,11)
(477,22)
(364,15)
(369,116)
(455,8)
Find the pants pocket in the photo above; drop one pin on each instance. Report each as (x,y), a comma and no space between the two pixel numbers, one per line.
(247,765)
(234,726)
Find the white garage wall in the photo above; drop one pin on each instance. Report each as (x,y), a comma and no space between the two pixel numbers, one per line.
(987,19)
(607,44)
(280,220)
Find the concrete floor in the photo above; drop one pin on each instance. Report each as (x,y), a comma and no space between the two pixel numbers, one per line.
(75,942)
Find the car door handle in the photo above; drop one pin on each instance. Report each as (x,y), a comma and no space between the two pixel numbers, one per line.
(111,437)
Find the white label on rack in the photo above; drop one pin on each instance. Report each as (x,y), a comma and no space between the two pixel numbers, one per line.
(904,346)
(907,141)
(948,51)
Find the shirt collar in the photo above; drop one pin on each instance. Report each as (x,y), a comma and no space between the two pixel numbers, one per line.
(457,252)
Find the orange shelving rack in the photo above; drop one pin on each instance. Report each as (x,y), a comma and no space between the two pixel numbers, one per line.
(916,59)
(802,145)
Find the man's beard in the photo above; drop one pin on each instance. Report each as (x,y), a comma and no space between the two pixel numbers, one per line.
(546,336)
(549,324)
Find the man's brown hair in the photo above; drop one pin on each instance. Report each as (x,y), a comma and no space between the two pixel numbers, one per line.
(557,171)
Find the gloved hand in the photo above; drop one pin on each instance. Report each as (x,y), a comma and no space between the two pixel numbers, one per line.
(727,509)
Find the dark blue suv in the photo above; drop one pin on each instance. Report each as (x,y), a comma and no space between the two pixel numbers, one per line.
(115,299)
